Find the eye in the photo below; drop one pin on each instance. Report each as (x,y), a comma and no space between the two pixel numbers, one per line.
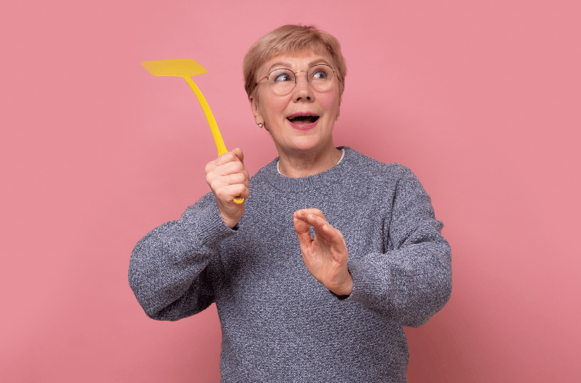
(281,76)
(320,74)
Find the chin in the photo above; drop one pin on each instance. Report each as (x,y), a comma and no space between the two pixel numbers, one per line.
(306,144)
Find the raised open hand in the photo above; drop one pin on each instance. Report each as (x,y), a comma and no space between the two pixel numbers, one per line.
(325,255)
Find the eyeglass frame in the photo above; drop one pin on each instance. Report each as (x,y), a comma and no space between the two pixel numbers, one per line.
(295,74)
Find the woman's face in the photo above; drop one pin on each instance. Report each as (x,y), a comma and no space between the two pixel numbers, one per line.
(281,115)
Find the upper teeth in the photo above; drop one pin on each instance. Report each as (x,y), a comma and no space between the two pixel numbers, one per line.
(307,116)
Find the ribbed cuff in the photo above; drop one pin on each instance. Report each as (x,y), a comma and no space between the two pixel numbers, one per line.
(368,285)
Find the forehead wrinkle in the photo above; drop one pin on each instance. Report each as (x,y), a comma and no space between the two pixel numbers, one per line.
(318,61)
(279,63)
(288,65)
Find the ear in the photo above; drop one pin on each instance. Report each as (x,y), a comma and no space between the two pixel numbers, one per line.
(254,107)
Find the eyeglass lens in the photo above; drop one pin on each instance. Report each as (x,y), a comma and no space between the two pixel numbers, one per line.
(283,81)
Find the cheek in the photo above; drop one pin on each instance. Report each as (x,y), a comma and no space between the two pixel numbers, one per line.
(279,104)
(329,101)
(275,107)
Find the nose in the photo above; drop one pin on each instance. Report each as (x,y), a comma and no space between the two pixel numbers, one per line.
(303,90)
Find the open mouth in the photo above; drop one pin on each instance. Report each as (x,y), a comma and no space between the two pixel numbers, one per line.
(303,118)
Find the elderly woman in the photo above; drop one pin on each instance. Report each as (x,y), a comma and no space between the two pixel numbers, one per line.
(331,254)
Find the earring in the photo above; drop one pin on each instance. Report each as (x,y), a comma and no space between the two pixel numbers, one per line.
(260,125)
(337,119)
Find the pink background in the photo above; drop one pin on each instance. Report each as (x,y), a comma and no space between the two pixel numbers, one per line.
(481,99)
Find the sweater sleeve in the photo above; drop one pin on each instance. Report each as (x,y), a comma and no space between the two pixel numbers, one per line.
(173,268)
(412,280)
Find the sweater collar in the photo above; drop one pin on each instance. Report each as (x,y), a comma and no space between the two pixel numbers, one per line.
(329,177)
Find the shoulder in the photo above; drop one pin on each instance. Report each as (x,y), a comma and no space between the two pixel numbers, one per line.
(379,182)
(372,170)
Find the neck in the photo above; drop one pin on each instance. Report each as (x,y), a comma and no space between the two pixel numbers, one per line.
(304,164)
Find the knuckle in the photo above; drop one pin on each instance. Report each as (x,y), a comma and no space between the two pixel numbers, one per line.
(238,166)
(232,179)
(221,194)
(228,168)
(213,178)
(215,184)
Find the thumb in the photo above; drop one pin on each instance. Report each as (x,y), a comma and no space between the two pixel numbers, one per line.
(238,153)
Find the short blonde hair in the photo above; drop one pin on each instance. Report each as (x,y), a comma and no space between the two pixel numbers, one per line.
(291,39)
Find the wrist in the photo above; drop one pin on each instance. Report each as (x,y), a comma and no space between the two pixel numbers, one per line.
(231,223)
(346,288)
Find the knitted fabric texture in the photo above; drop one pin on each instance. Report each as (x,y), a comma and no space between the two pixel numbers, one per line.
(278,323)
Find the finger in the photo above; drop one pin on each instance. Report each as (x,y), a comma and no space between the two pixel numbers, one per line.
(313,211)
(327,232)
(308,219)
(324,231)
(239,154)
(210,166)
(220,185)
(214,164)
(231,192)
(303,232)
(232,179)
(228,157)
(236,178)
(314,220)
(334,236)
(301,226)
(317,223)
(244,194)
(230,168)
(336,242)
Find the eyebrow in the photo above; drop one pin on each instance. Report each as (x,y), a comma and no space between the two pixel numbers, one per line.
(287,65)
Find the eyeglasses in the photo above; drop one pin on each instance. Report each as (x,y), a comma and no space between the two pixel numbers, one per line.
(282,81)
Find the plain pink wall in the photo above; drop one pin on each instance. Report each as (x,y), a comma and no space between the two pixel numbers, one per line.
(481,99)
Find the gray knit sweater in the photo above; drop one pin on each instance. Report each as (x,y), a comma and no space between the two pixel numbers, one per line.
(278,323)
